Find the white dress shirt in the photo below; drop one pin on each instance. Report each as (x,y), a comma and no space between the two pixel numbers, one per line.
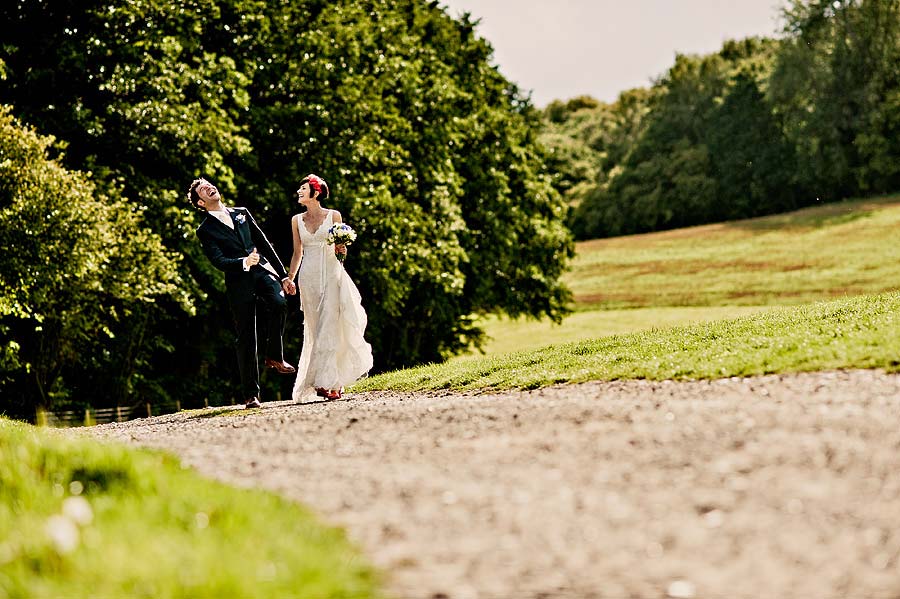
(225,218)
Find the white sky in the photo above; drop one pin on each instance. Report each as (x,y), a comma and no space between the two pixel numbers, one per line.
(559,49)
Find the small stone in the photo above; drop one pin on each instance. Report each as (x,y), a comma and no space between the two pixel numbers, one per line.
(713,519)
(681,589)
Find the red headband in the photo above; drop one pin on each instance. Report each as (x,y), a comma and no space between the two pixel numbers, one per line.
(315,183)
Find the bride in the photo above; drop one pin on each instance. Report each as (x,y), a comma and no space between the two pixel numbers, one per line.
(334,353)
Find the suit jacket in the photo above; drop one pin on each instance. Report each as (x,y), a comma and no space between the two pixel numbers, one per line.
(226,249)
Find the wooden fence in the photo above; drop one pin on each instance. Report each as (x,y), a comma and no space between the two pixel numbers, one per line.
(90,416)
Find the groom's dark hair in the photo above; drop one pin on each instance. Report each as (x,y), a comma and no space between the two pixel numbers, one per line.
(192,196)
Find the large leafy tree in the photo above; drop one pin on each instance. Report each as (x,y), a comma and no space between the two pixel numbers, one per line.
(145,104)
(708,148)
(762,126)
(77,267)
(837,86)
(430,153)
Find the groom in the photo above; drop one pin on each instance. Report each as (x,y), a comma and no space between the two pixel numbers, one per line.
(230,238)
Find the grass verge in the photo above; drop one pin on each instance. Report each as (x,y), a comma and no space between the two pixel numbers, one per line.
(720,271)
(859,332)
(83,519)
(506,335)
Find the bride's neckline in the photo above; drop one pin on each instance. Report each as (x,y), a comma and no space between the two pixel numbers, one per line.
(303,221)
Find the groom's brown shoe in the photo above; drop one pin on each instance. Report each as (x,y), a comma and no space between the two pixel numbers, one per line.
(281,367)
(253,402)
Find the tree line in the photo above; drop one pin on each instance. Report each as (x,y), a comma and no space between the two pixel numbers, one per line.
(760,127)
(113,106)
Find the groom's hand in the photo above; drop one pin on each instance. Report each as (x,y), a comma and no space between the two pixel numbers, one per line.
(252,259)
(288,286)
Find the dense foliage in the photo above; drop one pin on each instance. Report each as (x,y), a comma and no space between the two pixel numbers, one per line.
(760,127)
(429,152)
(79,275)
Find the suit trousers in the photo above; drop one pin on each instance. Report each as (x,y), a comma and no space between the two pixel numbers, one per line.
(269,296)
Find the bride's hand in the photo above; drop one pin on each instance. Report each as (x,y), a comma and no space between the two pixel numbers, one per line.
(289,287)
(340,249)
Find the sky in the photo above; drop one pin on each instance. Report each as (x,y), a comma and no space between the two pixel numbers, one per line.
(560,49)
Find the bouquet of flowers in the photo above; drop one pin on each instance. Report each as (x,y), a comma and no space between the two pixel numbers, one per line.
(341,234)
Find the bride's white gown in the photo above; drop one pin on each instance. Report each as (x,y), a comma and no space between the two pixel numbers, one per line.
(334,354)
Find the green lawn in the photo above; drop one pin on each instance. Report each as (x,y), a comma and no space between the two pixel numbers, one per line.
(507,335)
(858,332)
(83,519)
(667,305)
(720,271)
(824,252)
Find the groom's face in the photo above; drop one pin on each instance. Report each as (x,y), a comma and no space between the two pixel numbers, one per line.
(209,195)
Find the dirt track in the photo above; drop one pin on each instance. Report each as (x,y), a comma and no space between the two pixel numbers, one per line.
(777,486)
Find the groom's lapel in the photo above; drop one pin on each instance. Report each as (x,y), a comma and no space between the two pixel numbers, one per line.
(241,228)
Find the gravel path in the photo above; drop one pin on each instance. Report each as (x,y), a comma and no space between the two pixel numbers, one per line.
(775,486)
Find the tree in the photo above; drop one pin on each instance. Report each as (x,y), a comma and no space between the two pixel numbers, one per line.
(707,147)
(76,265)
(429,151)
(836,87)
(752,161)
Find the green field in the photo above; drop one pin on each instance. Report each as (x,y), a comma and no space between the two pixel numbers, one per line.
(810,290)
(83,519)
(720,271)
(859,332)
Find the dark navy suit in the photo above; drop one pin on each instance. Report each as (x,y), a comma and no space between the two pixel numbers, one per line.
(226,248)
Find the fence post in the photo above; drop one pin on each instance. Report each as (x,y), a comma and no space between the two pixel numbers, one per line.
(177,405)
(149,410)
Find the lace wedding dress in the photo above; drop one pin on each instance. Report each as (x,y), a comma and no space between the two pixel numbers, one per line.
(334,354)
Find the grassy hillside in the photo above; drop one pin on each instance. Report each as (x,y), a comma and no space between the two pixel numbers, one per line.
(84,519)
(720,271)
(859,332)
(834,250)
(739,298)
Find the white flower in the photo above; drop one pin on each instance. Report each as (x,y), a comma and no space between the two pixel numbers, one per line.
(63,533)
(78,510)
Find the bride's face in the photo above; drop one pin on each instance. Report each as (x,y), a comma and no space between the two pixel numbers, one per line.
(303,195)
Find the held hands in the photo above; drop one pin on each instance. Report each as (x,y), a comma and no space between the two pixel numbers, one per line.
(286,284)
(340,248)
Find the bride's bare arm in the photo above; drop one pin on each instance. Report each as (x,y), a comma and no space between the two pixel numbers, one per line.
(298,248)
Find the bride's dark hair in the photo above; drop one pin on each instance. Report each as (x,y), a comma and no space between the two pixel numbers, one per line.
(318,183)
